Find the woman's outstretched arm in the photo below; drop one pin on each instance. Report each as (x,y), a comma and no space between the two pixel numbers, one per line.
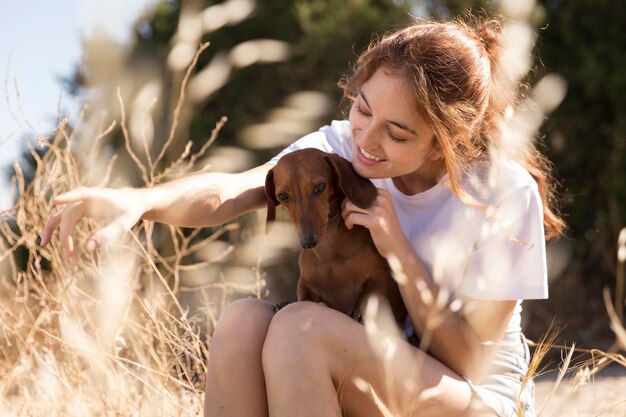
(199,200)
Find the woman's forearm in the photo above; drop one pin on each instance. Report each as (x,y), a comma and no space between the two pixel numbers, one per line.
(444,332)
(204,199)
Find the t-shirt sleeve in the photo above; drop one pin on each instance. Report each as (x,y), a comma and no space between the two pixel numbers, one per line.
(333,138)
(509,259)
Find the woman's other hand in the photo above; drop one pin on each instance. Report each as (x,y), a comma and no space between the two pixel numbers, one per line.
(120,208)
(381,220)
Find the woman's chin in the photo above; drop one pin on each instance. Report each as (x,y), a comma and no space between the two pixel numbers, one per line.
(366,171)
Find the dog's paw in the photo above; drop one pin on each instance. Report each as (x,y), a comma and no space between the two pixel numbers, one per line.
(280,305)
(356,315)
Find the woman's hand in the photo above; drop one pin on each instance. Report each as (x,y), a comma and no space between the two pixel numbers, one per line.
(381,220)
(120,208)
(198,200)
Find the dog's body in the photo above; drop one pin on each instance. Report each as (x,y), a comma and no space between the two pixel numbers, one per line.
(338,266)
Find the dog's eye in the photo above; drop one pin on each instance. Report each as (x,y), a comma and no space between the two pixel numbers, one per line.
(284,197)
(319,188)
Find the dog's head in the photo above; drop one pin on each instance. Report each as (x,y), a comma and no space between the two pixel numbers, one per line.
(311,185)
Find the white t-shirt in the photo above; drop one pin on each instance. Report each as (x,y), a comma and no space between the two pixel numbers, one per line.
(493,253)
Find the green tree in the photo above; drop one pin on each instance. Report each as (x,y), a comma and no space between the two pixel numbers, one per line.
(584,42)
(586,139)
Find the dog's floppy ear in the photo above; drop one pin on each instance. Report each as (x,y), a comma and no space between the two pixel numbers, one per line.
(359,190)
(272,202)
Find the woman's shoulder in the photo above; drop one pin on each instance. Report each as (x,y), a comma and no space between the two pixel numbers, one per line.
(333,138)
(491,181)
(338,128)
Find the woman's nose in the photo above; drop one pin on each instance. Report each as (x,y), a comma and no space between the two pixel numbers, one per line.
(367,138)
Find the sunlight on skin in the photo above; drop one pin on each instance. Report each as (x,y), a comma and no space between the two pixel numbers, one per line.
(384,336)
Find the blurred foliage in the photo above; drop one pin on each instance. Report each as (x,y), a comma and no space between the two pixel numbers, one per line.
(585,138)
(324,37)
(584,41)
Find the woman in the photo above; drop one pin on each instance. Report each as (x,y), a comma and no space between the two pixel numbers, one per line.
(464,222)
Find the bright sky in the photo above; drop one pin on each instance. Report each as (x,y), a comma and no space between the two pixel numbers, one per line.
(39,44)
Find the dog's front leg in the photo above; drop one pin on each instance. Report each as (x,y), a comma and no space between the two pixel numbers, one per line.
(306,293)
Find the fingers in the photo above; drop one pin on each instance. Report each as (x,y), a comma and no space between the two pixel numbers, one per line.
(354,218)
(53,223)
(67,241)
(375,216)
(74,196)
(96,204)
(69,217)
(111,233)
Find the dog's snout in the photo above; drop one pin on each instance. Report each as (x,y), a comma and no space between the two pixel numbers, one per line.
(309,240)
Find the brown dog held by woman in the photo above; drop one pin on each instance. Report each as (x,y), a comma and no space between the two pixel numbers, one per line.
(338,267)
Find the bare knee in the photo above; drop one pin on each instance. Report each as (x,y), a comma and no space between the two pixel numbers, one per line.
(295,336)
(242,326)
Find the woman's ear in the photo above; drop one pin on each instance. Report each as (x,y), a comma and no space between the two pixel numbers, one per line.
(436,153)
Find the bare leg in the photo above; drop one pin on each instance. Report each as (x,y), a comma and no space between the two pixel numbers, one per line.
(318,362)
(235,385)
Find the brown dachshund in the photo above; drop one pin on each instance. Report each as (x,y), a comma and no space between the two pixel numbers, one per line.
(338,267)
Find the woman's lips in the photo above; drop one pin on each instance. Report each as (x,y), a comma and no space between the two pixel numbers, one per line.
(367,157)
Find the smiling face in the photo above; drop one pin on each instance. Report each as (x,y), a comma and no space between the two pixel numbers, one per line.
(390,139)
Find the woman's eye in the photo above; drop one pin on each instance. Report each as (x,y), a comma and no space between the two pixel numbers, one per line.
(359,109)
(284,197)
(319,188)
(394,138)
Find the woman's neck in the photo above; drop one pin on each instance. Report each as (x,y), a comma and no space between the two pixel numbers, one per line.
(421,180)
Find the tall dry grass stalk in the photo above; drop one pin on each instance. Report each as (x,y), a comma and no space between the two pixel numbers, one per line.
(114,333)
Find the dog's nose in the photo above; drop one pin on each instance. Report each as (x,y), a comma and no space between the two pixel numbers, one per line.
(308,241)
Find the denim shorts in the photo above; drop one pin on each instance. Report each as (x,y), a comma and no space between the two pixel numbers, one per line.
(504,389)
(501,390)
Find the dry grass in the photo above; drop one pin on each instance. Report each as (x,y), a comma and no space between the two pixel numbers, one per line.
(114,333)
(94,337)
